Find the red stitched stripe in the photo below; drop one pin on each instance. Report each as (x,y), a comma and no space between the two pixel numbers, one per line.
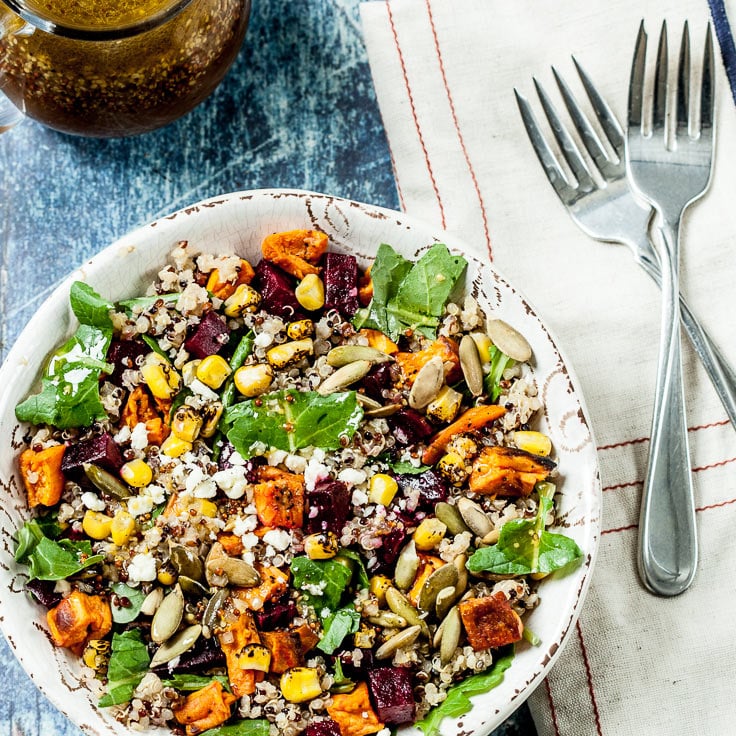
(414,112)
(638,440)
(718,464)
(620,529)
(552,710)
(589,676)
(460,137)
(717,505)
(622,485)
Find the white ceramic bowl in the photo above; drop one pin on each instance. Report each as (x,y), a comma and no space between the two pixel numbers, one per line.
(238,222)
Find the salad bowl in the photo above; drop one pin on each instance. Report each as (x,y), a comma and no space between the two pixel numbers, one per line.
(238,223)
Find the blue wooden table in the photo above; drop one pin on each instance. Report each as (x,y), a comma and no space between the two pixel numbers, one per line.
(296,110)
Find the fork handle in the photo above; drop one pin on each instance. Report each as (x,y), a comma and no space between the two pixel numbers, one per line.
(719,371)
(668,551)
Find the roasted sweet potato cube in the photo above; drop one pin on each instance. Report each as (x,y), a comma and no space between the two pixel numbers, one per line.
(274,583)
(225,289)
(308,639)
(353,712)
(139,408)
(490,622)
(412,363)
(295,251)
(231,543)
(204,709)
(427,565)
(237,632)
(279,498)
(285,648)
(42,476)
(78,619)
(507,471)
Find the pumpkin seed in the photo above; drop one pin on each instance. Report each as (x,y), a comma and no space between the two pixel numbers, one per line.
(462,573)
(437,638)
(222,569)
(389,620)
(491,537)
(508,340)
(471,365)
(168,616)
(344,354)
(368,403)
(211,610)
(474,516)
(176,646)
(186,562)
(403,639)
(407,566)
(105,482)
(450,517)
(427,383)
(344,377)
(451,631)
(152,601)
(401,605)
(442,577)
(445,599)
(383,411)
(192,587)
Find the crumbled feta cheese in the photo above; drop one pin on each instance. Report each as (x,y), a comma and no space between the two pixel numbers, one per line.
(123,435)
(263,340)
(92,501)
(157,494)
(142,568)
(139,437)
(315,588)
(203,390)
(139,505)
(245,524)
(231,481)
(276,457)
(295,463)
(352,477)
(279,539)
(249,540)
(314,472)
(235,458)
(199,484)
(360,498)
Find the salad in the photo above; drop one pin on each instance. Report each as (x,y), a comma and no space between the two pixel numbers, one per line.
(290,496)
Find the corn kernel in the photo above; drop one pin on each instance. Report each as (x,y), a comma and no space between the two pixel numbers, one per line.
(255,657)
(383,488)
(300,329)
(136,473)
(289,353)
(463,446)
(483,343)
(453,467)
(253,380)
(310,292)
(364,637)
(96,654)
(96,524)
(300,684)
(166,577)
(321,546)
(429,534)
(245,299)
(162,380)
(186,423)
(204,507)
(445,406)
(122,528)
(534,442)
(211,414)
(174,446)
(377,586)
(213,370)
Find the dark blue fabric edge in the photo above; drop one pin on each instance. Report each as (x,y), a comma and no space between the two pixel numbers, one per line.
(725,41)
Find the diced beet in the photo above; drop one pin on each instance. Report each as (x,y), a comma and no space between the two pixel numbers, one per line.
(277,290)
(273,615)
(352,668)
(409,427)
(391,545)
(328,727)
(101,450)
(205,655)
(43,592)
(328,507)
(392,694)
(123,354)
(340,275)
(378,380)
(208,337)
(432,488)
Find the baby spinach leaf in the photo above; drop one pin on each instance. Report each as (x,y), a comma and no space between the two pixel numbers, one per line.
(128,664)
(148,301)
(458,701)
(362,573)
(89,307)
(290,420)
(190,683)
(340,624)
(524,546)
(258,727)
(403,467)
(321,581)
(499,363)
(28,537)
(135,598)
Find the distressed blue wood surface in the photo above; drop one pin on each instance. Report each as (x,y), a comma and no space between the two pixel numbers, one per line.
(296,110)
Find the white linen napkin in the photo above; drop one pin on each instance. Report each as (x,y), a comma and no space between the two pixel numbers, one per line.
(444,74)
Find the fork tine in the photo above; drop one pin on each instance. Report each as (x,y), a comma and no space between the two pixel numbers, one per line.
(544,153)
(636,83)
(707,96)
(567,145)
(683,83)
(609,123)
(659,105)
(590,139)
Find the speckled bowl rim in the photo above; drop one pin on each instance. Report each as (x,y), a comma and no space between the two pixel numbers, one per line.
(240,220)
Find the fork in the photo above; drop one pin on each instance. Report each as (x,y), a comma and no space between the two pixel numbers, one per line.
(612,213)
(670,169)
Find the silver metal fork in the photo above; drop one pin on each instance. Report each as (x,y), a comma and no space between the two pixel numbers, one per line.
(612,213)
(671,170)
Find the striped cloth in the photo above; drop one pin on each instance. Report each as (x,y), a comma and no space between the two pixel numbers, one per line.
(444,74)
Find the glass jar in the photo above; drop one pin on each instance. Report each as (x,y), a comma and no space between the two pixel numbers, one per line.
(111,68)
